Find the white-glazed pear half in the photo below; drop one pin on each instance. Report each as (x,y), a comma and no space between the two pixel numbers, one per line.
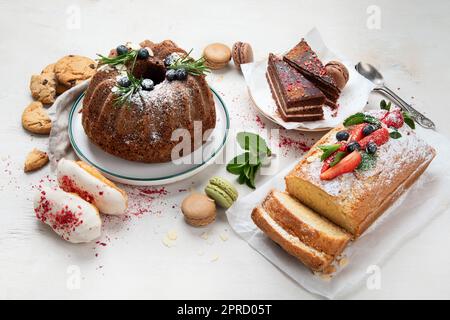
(71,217)
(86,181)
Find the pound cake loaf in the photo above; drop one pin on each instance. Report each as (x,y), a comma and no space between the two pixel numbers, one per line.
(357,170)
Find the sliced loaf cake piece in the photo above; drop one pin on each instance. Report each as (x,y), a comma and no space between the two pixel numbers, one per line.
(314,259)
(307,225)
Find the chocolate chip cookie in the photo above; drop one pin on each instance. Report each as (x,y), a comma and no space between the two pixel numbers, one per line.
(50,69)
(35,160)
(35,118)
(72,69)
(43,87)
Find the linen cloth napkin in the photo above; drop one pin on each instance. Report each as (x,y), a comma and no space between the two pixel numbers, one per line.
(59,143)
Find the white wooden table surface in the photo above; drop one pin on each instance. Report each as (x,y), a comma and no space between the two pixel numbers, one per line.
(410,47)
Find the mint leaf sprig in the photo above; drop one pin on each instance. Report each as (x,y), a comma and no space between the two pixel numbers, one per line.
(247,164)
(124,94)
(338,157)
(328,150)
(385,105)
(192,66)
(368,161)
(394,134)
(360,117)
(408,120)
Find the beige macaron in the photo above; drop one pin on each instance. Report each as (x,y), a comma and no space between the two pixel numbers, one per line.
(217,55)
(198,209)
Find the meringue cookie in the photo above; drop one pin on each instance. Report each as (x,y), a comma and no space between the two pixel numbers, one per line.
(86,181)
(71,217)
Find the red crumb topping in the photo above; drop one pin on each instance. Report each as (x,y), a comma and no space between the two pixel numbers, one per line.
(142,199)
(260,123)
(68,185)
(294,82)
(154,191)
(287,142)
(314,64)
(64,220)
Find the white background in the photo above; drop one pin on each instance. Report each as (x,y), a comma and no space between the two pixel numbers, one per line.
(410,48)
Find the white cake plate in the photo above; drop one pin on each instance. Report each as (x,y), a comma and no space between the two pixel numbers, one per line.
(146,174)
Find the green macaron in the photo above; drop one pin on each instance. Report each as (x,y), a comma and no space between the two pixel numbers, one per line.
(221,191)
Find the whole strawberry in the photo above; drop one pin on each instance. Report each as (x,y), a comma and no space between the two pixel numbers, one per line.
(394,119)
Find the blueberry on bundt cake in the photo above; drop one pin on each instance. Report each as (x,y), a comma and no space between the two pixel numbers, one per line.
(140,95)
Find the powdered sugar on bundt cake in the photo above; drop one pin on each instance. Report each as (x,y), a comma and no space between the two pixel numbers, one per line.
(141,129)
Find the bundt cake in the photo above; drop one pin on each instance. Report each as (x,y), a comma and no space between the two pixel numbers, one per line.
(137,124)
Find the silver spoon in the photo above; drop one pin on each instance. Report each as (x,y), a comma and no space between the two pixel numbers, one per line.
(370,72)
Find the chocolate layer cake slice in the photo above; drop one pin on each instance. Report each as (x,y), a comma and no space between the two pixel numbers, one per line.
(297,98)
(305,60)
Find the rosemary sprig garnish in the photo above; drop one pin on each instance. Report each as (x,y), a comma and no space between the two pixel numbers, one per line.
(192,66)
(124,94)
(131,55)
